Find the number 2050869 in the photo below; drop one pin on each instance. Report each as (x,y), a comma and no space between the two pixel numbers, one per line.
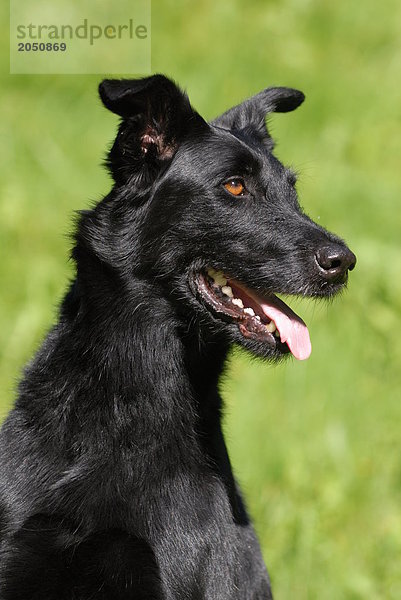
(42,47)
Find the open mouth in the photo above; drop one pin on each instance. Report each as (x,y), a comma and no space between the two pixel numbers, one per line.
(266,319)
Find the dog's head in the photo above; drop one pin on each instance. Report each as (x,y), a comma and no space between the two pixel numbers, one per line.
(212,217)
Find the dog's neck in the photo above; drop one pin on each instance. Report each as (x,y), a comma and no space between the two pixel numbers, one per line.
(133,359)
(138,314)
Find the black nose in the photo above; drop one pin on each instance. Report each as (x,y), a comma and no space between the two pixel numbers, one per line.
(334,261)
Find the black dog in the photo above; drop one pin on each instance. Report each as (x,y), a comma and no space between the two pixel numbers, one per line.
(115,480)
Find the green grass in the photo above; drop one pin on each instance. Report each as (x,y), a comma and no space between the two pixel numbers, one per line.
(316,445)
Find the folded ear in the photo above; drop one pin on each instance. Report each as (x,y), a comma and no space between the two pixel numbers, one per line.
(156,118)
(250,115)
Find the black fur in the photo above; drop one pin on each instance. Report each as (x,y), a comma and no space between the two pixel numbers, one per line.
(115,481)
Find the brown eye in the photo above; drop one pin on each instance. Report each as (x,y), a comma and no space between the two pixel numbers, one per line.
(235,186)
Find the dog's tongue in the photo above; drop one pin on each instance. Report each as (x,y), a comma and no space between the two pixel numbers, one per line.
(292,329)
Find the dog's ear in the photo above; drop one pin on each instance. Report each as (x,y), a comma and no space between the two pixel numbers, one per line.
(156,118)
(250,115)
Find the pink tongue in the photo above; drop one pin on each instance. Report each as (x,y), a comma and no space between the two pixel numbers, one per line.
(293,330)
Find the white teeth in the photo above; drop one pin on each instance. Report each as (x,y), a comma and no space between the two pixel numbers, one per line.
(220,279)
(271,327)
(238,302)
(227,291)
(217,276)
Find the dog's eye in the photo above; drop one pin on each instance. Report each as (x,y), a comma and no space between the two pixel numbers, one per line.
(235,186)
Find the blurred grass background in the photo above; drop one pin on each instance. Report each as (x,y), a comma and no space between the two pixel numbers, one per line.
(316,445)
